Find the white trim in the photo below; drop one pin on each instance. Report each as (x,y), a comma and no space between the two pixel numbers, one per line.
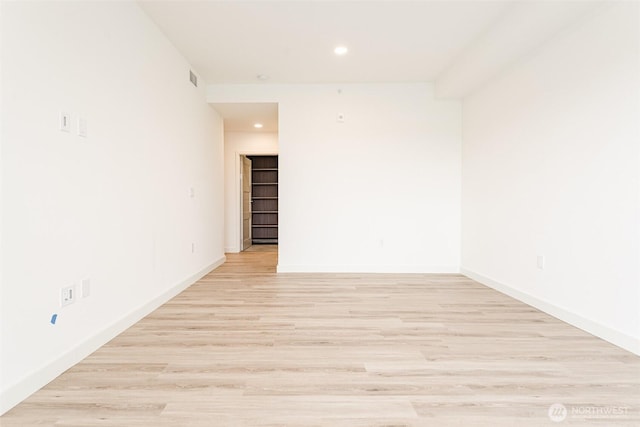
(231,250)
(240,194)
(611,335)
(400,269)
(19,391)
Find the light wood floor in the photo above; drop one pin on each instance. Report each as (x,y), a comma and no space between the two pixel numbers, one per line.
(247,347)
(262,248)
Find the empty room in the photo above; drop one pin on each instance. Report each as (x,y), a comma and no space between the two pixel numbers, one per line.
(319,213)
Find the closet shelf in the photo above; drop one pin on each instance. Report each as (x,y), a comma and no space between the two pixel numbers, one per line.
(264,196)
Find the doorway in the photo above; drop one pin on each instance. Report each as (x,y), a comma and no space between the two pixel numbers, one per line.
(259,202)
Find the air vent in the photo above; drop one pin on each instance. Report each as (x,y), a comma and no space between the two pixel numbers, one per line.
(193,78)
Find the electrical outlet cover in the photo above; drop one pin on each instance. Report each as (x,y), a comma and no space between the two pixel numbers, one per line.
(67,296)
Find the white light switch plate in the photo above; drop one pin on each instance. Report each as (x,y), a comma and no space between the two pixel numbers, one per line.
(85,287)
(82,127)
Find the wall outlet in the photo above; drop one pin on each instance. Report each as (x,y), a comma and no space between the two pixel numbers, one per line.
(540,262)
(67,296)
(85,287)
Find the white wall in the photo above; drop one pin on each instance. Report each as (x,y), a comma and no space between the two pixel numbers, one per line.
(377,193)
(551,167)
(522,27)
(114,207)
(235,144)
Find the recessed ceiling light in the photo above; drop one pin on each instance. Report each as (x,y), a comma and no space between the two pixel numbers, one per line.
(262,77)
(341,50)
(258,125)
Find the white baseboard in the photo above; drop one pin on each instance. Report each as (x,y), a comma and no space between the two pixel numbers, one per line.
(231,250)
(398,269)
(16,393)
(613,336)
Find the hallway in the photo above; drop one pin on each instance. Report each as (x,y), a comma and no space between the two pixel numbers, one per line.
(246,347)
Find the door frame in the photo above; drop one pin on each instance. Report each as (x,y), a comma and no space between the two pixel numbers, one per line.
(246,175)
(238,186)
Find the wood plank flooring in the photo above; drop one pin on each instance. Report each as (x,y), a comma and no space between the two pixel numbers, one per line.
(247,347)
(262,248)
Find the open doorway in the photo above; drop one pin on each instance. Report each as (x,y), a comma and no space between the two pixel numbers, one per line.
(255,194)
(260,201)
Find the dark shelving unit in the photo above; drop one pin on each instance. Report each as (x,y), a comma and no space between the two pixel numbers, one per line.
(264,198)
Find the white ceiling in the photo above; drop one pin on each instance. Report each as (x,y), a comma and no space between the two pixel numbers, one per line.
(459,45)
(242,117)
(293,41)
